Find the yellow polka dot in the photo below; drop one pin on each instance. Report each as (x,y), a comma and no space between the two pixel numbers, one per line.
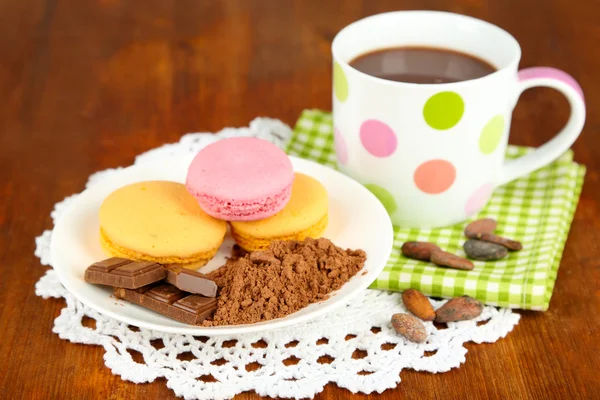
(340,82)
(491,135)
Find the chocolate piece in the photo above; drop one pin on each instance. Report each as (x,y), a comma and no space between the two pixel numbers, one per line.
(191,281)
(120,272)
(165,293)
(171,302)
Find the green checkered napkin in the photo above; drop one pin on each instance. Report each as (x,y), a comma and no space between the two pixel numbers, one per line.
(537,210)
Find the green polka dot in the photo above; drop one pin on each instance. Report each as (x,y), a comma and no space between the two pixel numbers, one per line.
(443,110)
(384,197)
(491,134)
(340,83)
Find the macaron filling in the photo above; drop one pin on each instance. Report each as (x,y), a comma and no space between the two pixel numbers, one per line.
(254,243)
(192,261)
(243,210)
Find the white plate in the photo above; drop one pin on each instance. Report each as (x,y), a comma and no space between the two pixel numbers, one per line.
(356,220)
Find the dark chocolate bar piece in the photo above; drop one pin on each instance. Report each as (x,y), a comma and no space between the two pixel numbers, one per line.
(120,272)
(171,302)
(191,281)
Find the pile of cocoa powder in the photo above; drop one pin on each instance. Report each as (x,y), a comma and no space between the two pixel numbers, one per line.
(290,275)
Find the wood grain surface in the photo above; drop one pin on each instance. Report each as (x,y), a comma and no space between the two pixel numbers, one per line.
(87,85)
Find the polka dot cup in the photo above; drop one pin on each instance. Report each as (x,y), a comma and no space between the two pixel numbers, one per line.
(433,153)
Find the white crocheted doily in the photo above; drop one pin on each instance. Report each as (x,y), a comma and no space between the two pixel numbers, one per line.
(355,346)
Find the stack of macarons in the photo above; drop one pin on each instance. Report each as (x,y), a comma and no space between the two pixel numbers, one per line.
(247,182)
(251,183)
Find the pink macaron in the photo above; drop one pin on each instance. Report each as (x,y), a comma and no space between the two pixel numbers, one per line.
(241,179)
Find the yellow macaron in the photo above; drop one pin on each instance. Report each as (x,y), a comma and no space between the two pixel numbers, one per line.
(159,221)
(305,215)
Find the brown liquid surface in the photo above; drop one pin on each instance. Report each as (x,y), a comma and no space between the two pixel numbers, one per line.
(422,65)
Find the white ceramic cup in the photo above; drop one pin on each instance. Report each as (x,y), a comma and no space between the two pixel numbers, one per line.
(433,153)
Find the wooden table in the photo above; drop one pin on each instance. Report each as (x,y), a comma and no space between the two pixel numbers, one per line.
(87,85)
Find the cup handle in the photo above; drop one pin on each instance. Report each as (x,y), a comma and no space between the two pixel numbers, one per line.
(550,151)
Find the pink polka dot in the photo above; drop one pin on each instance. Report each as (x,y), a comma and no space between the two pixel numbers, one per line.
(341,149)
(478,199)
(378,138)
(435,176)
